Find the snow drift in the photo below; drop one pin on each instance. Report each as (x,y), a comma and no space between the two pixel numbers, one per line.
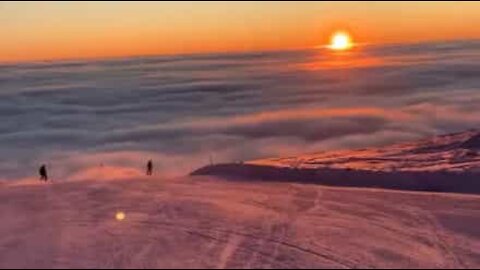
(449,163)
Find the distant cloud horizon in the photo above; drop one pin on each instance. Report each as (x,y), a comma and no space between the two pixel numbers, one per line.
(183,110)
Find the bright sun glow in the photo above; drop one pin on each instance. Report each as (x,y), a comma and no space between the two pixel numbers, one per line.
(120,216)
(340,41)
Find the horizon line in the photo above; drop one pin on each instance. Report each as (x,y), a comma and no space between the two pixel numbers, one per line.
(315,47)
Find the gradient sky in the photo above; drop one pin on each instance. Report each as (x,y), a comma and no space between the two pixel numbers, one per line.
(60,30)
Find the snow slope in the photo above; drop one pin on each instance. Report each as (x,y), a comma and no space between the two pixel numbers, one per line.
(449,163)
(458,152)
(198,222)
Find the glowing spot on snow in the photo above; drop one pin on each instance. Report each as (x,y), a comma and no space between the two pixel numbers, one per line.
(120,216)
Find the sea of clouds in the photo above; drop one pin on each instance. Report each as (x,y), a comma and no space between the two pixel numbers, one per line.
(106,118)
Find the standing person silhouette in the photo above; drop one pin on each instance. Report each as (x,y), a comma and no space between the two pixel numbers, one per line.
(149,168)
(43,173)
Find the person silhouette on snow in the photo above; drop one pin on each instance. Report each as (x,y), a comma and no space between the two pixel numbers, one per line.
(43,173)
(149,168)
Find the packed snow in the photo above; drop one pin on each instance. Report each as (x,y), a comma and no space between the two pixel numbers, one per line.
(213,220)
(458,152)
(206,222)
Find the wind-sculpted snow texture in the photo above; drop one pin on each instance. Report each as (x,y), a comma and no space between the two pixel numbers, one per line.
(458,152)
(204,222)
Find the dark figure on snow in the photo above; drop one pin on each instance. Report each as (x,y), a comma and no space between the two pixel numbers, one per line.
(150,167)
(43,173)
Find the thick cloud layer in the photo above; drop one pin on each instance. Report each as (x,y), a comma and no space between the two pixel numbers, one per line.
(185,110)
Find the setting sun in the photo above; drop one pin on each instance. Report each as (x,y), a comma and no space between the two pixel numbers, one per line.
(340,41)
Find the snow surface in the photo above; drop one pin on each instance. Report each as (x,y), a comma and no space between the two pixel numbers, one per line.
(458,152)
(210,222)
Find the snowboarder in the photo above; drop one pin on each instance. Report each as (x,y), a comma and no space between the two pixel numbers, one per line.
(149,168)
(43,173)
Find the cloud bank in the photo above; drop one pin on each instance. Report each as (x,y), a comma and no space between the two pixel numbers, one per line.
(185,110)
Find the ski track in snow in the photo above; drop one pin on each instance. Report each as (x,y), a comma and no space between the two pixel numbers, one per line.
(213,223)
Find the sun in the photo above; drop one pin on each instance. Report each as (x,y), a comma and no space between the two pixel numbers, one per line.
(340,41)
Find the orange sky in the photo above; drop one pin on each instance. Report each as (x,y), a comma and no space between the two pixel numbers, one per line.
(60,30)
